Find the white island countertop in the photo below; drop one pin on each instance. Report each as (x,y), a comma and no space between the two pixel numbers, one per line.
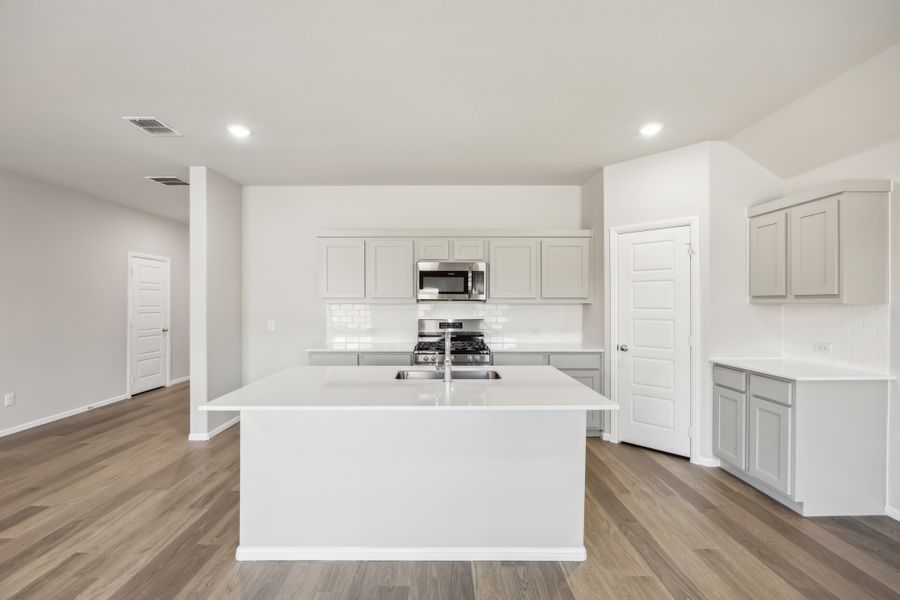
(301,388)
(799,370)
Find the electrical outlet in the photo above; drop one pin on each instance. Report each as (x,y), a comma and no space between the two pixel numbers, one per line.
(9,399)
(822,347)
(270,326)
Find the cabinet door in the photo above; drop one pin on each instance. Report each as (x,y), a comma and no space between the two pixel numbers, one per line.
(768,255)
(389,269)
(432,249)
(566,269)
(468,249)
(513,268)
(342,268)
(730,426)
(770,444)
(814,248)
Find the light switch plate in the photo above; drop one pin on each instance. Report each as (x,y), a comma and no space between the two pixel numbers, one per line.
(9,399)
(270,326)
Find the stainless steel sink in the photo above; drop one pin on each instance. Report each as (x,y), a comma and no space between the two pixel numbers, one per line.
(440,375)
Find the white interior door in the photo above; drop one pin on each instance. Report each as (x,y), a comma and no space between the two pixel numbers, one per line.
(149,323)
(653,339)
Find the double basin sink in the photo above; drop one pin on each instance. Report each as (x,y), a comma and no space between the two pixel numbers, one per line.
(440,375)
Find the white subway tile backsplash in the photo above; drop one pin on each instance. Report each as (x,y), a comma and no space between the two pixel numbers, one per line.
(858,334)
(390,323)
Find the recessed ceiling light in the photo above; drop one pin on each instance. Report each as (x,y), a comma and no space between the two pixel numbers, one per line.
(651,129)
(238,131)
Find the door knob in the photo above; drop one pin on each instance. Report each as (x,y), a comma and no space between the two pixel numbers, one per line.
(165,330)
(623,347)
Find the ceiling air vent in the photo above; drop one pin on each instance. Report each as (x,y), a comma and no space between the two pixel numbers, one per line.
(168,180)
(153,126)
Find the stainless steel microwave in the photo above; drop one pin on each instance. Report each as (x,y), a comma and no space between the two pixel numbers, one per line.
(451,281)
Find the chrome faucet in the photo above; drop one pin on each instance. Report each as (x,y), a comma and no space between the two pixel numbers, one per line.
(448,368)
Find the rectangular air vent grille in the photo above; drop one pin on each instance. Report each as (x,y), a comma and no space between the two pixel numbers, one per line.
(152,125)
(165,180)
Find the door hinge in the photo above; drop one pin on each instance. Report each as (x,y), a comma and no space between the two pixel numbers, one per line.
(690,249)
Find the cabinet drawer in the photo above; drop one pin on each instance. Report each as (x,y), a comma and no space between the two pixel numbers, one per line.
(730,378)
(775,390)
(575,361)
(519,358)
(384,359)
(333,359)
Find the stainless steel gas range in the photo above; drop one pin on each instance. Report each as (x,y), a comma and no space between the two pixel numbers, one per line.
(467,345)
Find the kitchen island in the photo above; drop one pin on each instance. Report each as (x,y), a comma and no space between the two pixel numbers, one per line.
(350,463)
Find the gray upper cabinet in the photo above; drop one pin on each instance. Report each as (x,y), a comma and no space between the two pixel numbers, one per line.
(814,248)
(342,269)
(389,269)
(828,245)
(432,249)
(526,267)
(566,269)
(468,249)
(513,268)
(768,255)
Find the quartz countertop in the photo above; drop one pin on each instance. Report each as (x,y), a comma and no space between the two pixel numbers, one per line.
(799,370)
(526,388)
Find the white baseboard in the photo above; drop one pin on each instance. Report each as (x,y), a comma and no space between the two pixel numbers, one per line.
(179,380)
(892,512)
(205,437)
(62,415)
(706,461)
(608,437)
(251,553)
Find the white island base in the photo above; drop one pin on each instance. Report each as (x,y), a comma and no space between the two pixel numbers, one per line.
(424,473)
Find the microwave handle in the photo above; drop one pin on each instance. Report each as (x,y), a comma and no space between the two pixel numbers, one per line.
(471,291)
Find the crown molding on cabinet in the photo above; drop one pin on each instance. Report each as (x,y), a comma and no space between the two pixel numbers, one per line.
(823,191)
(454,233)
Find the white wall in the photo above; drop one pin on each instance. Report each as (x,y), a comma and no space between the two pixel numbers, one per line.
(736,327)
(850,113)
(713,182)
(592,218)
(281,251)
(64,304)
(216,294)
(882,161)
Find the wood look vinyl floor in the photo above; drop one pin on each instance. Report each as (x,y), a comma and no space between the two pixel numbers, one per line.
(115,503)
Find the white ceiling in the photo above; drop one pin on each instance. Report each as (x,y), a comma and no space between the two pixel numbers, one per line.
(401,92)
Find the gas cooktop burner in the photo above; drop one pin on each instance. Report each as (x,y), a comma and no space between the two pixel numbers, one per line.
(466,342)
(476,346)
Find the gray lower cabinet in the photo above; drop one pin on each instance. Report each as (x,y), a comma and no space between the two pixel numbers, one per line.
(770,443)
(584,367)
(817,446)
(385,359)
(730,426)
